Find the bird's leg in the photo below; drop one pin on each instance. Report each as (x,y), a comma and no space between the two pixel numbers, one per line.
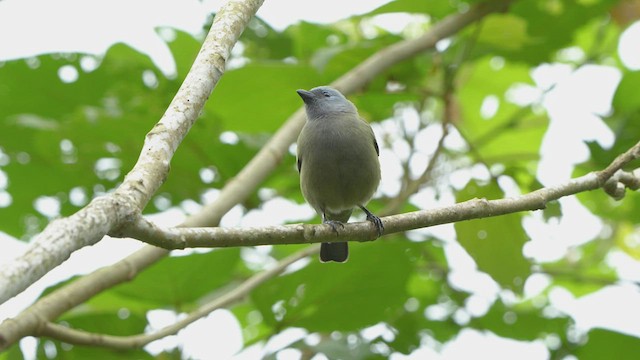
(374,219)
(333,223)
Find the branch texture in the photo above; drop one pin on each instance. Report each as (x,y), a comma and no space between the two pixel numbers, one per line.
(60,238)
(180,238)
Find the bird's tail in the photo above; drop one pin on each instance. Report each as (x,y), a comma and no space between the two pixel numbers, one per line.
(337,251)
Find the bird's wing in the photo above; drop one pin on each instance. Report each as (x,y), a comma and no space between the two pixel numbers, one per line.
(373,135)
(300,161)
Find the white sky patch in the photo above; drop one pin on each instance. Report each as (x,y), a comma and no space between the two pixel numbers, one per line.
(616,315)
(574,107)
(101,24)
(628,47)
(48,206)
(327,11)
(470,343)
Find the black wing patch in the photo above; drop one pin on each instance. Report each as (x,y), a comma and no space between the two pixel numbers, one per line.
(375,145)
(300,162)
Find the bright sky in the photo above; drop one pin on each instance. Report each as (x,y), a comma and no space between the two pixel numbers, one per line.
(582,95)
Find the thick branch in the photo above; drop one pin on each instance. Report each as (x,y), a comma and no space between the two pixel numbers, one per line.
(60,238)
(56,243)
(612,178)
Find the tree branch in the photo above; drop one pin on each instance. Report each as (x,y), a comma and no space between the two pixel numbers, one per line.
(472,209)
(79,337)
(89,225)
(179,238)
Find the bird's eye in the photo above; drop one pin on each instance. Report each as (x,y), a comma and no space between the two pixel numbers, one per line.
(326,94)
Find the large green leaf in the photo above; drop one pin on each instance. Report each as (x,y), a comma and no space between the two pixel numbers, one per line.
(605,344)
(504,31)
(63,132)
(259,97)
(495,243)
(55,137)
(100,323)
(626,96)
(13,353)
(308,39)
(550,26)
(522,322)
(180,281)
(343,297)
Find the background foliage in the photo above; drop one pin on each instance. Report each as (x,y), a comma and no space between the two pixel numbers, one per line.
(75,140)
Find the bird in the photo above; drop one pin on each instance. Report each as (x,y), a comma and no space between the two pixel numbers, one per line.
(337,158)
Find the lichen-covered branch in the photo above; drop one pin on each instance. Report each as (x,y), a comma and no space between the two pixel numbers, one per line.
(62,237)
(180,238)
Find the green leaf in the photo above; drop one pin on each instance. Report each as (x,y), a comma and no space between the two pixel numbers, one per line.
(521,322)
(67,352)
(495,243)
(604,344)
(100,323)
(380,105)
(262,42)
(308,39)
(13,353)
(180,281)
(505,31)
(626,97)
(108,323)
(259,97)
(42,116)
(552,210)
(550,26)
(340,297)
(253,328)
(184,49)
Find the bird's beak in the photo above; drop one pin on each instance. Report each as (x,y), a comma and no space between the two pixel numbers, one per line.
(305,95)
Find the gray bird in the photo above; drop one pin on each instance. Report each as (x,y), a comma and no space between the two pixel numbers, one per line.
(338,163)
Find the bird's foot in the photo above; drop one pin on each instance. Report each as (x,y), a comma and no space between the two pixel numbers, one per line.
(334,224)
(375,220)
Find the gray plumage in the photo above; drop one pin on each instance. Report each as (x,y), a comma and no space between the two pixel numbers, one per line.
(337,161)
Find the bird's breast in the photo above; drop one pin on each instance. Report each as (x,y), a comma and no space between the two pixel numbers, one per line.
(340,168)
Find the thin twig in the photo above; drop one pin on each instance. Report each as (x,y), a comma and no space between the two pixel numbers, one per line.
(79,337)
(179,238)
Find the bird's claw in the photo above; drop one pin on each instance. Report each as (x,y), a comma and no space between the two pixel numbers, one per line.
(334,224)
(375,220)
